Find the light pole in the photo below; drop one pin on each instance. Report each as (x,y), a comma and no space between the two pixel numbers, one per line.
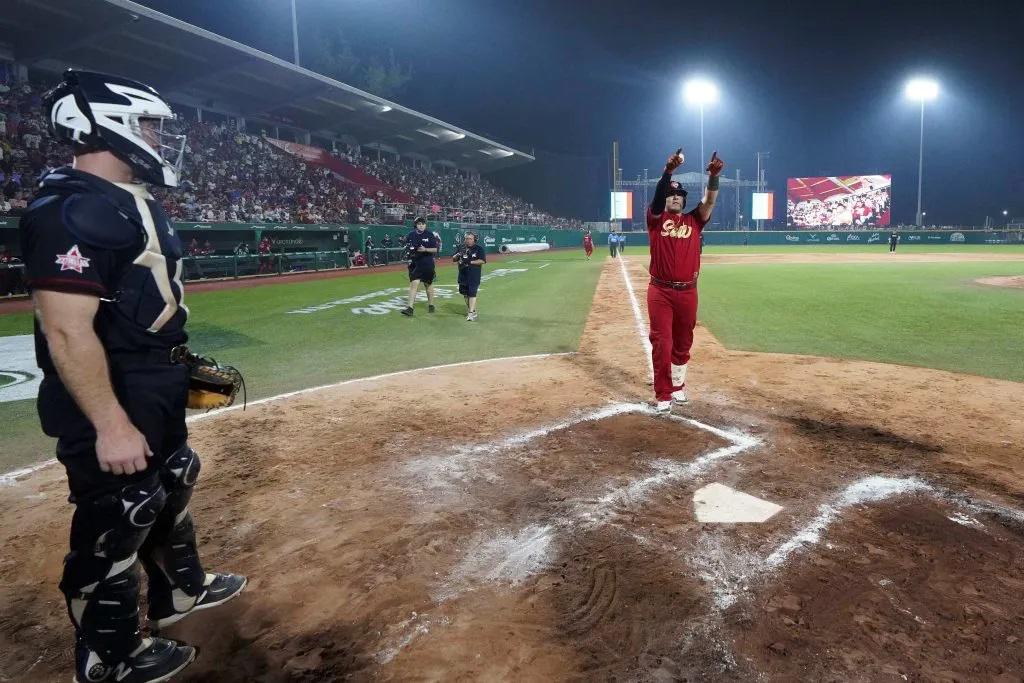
(1006,222)
(700,92)
(922,90)
(295,35)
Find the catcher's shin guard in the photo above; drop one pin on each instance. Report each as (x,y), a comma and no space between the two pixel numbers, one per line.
(100,582)
(169,555)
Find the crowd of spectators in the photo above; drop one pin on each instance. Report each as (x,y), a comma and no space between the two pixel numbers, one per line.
(452,195)
(234,176)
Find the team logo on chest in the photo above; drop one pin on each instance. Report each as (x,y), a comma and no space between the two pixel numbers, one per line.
(73,260)
(670,229)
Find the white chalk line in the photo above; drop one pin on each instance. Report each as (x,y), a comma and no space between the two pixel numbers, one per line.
(588,512)
(638,318)
(11,477)
(733,581)
(8,478)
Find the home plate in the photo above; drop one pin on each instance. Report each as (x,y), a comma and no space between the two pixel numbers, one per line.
(719,504)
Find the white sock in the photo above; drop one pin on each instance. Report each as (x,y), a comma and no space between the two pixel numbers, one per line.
(679,374)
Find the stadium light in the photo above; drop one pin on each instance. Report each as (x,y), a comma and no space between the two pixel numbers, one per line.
(922,90)
(700,92)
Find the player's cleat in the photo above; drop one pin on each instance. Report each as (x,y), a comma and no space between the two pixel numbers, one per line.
(430,308)
(217,589)
(679,397)
(471,317)
(156,659)
(664,407)
(407,311)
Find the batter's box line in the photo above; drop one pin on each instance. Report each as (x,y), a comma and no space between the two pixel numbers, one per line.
(442,470)
(513,556)
(732,579)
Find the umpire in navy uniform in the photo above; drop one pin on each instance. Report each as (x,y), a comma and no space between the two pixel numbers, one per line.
(471,257)
(104,268)
(421,245)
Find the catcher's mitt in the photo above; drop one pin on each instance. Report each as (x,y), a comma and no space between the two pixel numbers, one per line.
(210,385)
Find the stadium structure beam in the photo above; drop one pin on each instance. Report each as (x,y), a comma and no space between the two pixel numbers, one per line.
(191,79)
(62,43)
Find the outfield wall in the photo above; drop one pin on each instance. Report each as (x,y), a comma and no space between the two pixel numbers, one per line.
(335,237)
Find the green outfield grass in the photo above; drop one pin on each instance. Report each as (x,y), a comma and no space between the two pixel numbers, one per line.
(539,310)
(925,314)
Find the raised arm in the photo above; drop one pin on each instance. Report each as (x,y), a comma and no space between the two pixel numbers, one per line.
(707,204)
(661,190)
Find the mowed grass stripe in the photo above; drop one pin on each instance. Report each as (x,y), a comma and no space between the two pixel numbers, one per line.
(923,314)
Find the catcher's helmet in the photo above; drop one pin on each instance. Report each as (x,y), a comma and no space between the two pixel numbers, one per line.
(103,112)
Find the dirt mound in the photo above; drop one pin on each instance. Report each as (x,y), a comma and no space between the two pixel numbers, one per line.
(1014,281)
(541,525)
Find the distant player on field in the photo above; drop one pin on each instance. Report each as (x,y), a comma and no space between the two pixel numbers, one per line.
(588,244)
(675,265)
(894,239)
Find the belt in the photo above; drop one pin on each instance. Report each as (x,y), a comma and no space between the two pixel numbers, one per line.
(171,356)
(674,285)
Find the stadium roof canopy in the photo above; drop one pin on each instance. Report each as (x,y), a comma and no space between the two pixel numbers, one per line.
(190,65)
(823,188)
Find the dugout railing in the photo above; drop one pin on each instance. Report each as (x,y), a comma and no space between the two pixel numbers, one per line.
(247,265)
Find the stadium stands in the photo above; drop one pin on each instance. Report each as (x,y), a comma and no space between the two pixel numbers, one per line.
(235,176)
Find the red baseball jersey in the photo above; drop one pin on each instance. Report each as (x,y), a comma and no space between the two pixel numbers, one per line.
(675,245)
(588,240)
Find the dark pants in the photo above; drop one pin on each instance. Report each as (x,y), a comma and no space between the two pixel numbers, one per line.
(892,246)
(611,248)
(121,518)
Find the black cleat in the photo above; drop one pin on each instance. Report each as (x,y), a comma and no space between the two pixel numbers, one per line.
(156,659)
(430,308)
(407,311)
(218,589)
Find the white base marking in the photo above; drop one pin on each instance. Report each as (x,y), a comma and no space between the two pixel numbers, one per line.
(719,504)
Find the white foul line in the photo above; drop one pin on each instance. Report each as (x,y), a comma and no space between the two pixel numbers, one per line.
(11,477)
(641,330)
(374,378)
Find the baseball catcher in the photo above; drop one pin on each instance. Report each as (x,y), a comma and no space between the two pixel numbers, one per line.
(104,267)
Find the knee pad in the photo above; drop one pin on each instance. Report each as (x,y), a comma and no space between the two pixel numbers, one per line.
(110,529)
(100,582)
(179,474)
(177,542)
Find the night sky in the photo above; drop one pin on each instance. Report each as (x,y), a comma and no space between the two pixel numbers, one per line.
(817,85)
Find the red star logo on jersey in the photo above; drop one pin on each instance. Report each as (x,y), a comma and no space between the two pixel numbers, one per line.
(73,260)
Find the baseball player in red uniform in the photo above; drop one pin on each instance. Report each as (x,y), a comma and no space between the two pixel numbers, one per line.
(588,244)
(675,265)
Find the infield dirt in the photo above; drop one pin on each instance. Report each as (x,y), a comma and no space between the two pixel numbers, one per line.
(458,545)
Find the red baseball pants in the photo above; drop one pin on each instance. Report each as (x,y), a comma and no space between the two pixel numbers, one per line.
(673,315)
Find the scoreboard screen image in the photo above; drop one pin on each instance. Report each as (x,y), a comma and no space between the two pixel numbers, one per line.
(839,201)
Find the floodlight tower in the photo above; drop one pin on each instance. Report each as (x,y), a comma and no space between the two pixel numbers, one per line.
(922,90)
(700,92)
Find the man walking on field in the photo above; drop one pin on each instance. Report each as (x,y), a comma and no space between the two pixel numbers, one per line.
(675,265)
